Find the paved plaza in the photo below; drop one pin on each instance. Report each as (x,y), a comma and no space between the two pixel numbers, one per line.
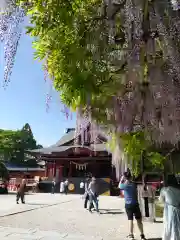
(60,217)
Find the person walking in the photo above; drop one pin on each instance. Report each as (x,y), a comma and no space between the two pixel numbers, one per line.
(21,192)
(170,196)
(66,185)
(131,205)
(86,194)
(53,186)
(93,195)
(81,187)
(62,187)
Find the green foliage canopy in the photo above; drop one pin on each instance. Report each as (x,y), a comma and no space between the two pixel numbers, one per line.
(137,146)
(88,69)
(72,39)
(4,174)
(14,144)
(91,56)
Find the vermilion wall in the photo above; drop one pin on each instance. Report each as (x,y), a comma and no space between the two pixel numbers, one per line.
(54,170)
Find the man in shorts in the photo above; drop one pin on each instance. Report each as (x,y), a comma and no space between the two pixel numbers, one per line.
(131,204)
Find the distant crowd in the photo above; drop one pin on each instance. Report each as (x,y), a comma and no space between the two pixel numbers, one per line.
(89,189)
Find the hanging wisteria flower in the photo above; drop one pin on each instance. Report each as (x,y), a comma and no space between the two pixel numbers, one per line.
(127,75)
(11,24)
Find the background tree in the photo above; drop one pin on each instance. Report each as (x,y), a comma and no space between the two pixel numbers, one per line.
(14,144)
(4,174)
(7,143)
(24,141)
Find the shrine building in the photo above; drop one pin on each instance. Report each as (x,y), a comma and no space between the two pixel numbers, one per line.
(66,159)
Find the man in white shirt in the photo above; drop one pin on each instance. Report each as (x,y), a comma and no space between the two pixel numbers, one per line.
(82,187)
(61,187)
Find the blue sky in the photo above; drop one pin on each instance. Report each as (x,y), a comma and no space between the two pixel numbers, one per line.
(24,100)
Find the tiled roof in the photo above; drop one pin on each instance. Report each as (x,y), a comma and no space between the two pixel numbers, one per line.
(66,138)
(17,167)
(62,146)
(50,150)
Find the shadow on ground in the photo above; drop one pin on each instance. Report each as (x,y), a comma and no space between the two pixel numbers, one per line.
(110,211)
(37,204)
(158,221)
(14,193)
(154,239)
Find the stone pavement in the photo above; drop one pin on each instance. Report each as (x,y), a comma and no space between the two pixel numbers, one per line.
(46,216)
(9,233)
(8,204)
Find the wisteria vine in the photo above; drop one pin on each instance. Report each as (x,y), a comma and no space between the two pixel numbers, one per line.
(148,59)
(11,24)
(152,98)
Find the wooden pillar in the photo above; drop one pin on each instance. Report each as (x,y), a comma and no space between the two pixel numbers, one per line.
(60,172)
(46,169)
(54,169)
(51,170)
(70,169)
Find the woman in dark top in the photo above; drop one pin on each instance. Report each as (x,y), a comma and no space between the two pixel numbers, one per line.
(21,192)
